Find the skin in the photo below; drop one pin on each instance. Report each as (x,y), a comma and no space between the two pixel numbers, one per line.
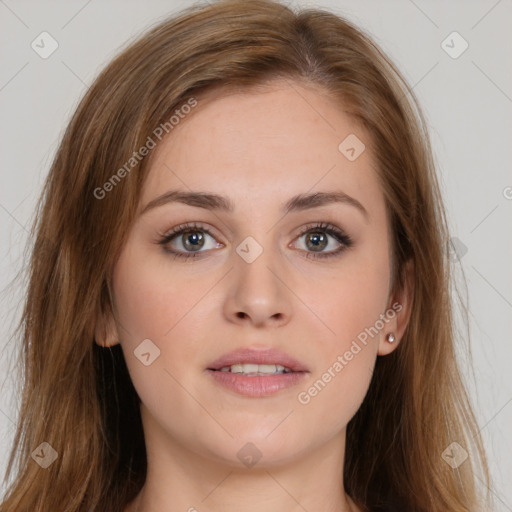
(259,148)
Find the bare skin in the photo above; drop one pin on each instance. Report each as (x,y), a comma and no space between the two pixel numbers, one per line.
(259,150)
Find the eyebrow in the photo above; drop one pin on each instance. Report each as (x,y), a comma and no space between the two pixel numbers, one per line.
(210,201)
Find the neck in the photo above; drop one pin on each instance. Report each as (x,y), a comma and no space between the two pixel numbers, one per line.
(181,479)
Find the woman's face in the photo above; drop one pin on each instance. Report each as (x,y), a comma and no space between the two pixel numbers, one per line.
(262,278)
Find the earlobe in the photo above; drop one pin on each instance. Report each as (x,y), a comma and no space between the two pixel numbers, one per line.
(390,338)
(105,332)
(401,305)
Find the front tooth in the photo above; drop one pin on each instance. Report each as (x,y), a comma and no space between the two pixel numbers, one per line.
(256,368)
(266,368)
(249,368)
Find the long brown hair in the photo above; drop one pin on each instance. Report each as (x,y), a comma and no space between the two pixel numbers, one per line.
(78,397)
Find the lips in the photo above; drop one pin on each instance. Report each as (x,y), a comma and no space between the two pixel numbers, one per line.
(258,356)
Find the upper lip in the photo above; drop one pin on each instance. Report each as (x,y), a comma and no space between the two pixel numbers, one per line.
(258,356)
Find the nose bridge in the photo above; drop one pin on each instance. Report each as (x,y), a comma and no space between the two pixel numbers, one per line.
(258,290)
(255,259)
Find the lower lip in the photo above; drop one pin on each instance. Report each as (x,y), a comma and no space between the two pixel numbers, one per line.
(257,386)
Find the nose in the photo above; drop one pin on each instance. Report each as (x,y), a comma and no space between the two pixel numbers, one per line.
(258,293)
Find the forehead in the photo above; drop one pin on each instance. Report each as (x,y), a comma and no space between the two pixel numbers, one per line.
(264,144)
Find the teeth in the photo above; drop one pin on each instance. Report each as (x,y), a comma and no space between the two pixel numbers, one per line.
(256,369)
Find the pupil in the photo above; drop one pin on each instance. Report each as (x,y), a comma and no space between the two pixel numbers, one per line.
(315,237)
(196,237)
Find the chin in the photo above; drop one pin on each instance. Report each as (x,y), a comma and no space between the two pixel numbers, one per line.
(256,447)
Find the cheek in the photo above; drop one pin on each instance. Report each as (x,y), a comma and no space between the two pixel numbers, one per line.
(352,311)
(157,302)
(152,298)
(353,297)
(347,352)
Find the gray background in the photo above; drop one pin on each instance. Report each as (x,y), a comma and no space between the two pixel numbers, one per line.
(467,102)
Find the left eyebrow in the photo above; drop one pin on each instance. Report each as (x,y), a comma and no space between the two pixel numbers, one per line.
(210,201)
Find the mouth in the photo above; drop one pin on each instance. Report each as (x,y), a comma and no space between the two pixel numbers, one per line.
(254,370)
(257,372)
(257,361)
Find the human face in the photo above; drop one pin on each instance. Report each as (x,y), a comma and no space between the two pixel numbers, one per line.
(258,149)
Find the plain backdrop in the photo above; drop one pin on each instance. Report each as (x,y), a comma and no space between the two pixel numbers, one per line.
(467,102)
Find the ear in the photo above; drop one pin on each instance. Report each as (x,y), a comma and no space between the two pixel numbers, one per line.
(105,332)
(399,308)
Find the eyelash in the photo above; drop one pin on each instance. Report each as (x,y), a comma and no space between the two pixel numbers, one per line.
(330,229)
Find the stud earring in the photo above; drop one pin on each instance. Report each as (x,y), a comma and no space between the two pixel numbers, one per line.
(390,337)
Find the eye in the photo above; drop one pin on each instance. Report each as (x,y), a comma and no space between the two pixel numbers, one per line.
(191,237)
(187,240)
(317,239)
